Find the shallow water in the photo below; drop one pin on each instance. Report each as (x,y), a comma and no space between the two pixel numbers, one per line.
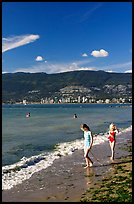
(52,124)
(32,144)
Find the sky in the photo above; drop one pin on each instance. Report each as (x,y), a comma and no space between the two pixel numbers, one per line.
(54,37)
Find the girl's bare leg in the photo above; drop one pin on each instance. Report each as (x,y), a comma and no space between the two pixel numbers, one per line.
(112,145)
(110,148)
(88,160)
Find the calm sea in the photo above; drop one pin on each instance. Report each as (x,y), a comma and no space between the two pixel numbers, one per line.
(51,124)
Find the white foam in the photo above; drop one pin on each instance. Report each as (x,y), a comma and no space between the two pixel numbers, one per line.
(16,173)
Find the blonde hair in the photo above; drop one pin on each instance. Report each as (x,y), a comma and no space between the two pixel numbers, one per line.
(112,126)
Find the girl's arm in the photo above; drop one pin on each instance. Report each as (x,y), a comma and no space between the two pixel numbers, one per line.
(116,130)
(81,127)
(91,138)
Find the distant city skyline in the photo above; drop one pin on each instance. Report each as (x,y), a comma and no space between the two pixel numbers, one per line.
(56,37)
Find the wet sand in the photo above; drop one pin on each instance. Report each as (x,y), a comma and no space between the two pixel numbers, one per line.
(66,180)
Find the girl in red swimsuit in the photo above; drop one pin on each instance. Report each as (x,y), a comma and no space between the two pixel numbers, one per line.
(112,132)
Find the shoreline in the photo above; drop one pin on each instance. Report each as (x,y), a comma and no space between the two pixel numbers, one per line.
(21,171)
(36,103)
(67,180)
(116,186)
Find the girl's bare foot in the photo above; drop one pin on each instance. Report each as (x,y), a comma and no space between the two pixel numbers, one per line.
(111,158)
(85,167)
(91,164)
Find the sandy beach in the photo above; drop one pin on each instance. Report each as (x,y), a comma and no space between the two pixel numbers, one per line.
(67,180)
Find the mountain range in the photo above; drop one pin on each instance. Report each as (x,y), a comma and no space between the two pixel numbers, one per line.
(34,86)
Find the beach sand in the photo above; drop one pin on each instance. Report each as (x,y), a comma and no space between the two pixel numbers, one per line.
(67,180)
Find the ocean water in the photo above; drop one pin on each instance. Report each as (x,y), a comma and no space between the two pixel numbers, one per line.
(31,144)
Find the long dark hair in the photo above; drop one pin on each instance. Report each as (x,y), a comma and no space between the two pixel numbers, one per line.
(86,126)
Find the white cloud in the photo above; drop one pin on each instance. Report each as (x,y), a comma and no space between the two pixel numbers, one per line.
(110,71)
(57,67)
(39,58)
(128,71)
(88,68)
(84,64)
(84,55)
(100,53)
(17,41)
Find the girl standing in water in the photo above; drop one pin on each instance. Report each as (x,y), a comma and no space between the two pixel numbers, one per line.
(88,141)
(112,133)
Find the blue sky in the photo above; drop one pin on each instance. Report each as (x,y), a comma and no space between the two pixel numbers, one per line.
(55,37)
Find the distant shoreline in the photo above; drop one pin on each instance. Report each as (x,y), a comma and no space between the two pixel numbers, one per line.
(36,103)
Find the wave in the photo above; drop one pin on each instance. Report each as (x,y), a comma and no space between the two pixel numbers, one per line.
(16,173)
